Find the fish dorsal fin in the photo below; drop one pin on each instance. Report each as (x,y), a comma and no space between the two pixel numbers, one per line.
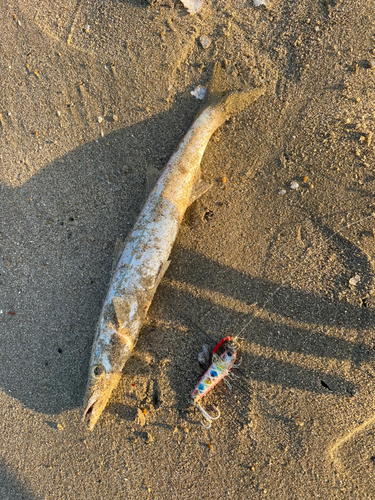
(199,188)
(152,175)
(117,252)
(122,310)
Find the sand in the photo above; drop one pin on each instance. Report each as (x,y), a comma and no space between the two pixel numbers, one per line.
(95,92)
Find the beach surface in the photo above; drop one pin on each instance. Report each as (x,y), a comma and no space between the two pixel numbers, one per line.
(280,251)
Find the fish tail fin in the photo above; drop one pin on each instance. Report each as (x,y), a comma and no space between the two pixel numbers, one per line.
(221,93)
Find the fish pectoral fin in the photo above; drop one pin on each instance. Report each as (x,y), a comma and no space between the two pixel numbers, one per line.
(162,271)
(124,305)
(117,252)
(159,277)
(152,175)
(199,188)
(122,310)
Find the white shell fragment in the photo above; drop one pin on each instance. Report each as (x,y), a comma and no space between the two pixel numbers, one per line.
(258,3)
(294,185)
(282,192)
(204,355)
(199,92)
(205,41)
(355,280)
(193,6)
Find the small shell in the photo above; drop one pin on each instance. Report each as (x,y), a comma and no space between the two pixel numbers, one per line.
(193,6)
(199,92)
(258,3)
(204,355)
(294,185)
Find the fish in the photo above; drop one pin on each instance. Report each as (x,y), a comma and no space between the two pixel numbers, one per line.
(144,258)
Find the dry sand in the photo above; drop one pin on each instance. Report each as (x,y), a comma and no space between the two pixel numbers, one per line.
(95,92)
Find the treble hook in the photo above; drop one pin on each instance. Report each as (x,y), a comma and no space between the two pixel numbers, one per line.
(206,415)
(237,364)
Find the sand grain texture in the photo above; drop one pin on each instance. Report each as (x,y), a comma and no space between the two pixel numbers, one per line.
(95,92)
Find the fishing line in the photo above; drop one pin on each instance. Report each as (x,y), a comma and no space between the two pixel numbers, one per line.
(241,385)
(308,252)
(302,263)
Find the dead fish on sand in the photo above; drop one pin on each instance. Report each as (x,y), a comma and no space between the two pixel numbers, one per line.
(144,259)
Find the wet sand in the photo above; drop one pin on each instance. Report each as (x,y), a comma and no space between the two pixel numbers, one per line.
(93,94)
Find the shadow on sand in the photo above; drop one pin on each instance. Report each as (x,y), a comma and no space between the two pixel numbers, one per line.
(10,486)
(58,232)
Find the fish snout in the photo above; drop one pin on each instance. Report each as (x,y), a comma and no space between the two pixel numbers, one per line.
(98,393)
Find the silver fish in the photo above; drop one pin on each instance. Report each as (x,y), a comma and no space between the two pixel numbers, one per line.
(144,259)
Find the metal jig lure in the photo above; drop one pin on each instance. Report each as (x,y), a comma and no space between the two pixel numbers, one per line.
(219,369)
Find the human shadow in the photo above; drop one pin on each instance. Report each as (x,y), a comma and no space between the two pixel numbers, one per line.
(185,371)
(306,307)
(11,487)
(205,322)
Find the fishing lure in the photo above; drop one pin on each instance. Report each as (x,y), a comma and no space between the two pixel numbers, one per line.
(222,364)
(220,368)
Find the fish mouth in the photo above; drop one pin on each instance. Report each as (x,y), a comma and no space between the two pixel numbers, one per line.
(97,401)
(93,410)
(90,414)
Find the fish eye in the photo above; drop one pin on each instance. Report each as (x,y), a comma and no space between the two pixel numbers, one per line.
(98,370)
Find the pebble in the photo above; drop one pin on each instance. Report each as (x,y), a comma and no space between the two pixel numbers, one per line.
(100,119)
(294,185)
(204,355)
(205,41)
(150,437)
(140,418)
(60,427)
(355,280)
(282,192)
